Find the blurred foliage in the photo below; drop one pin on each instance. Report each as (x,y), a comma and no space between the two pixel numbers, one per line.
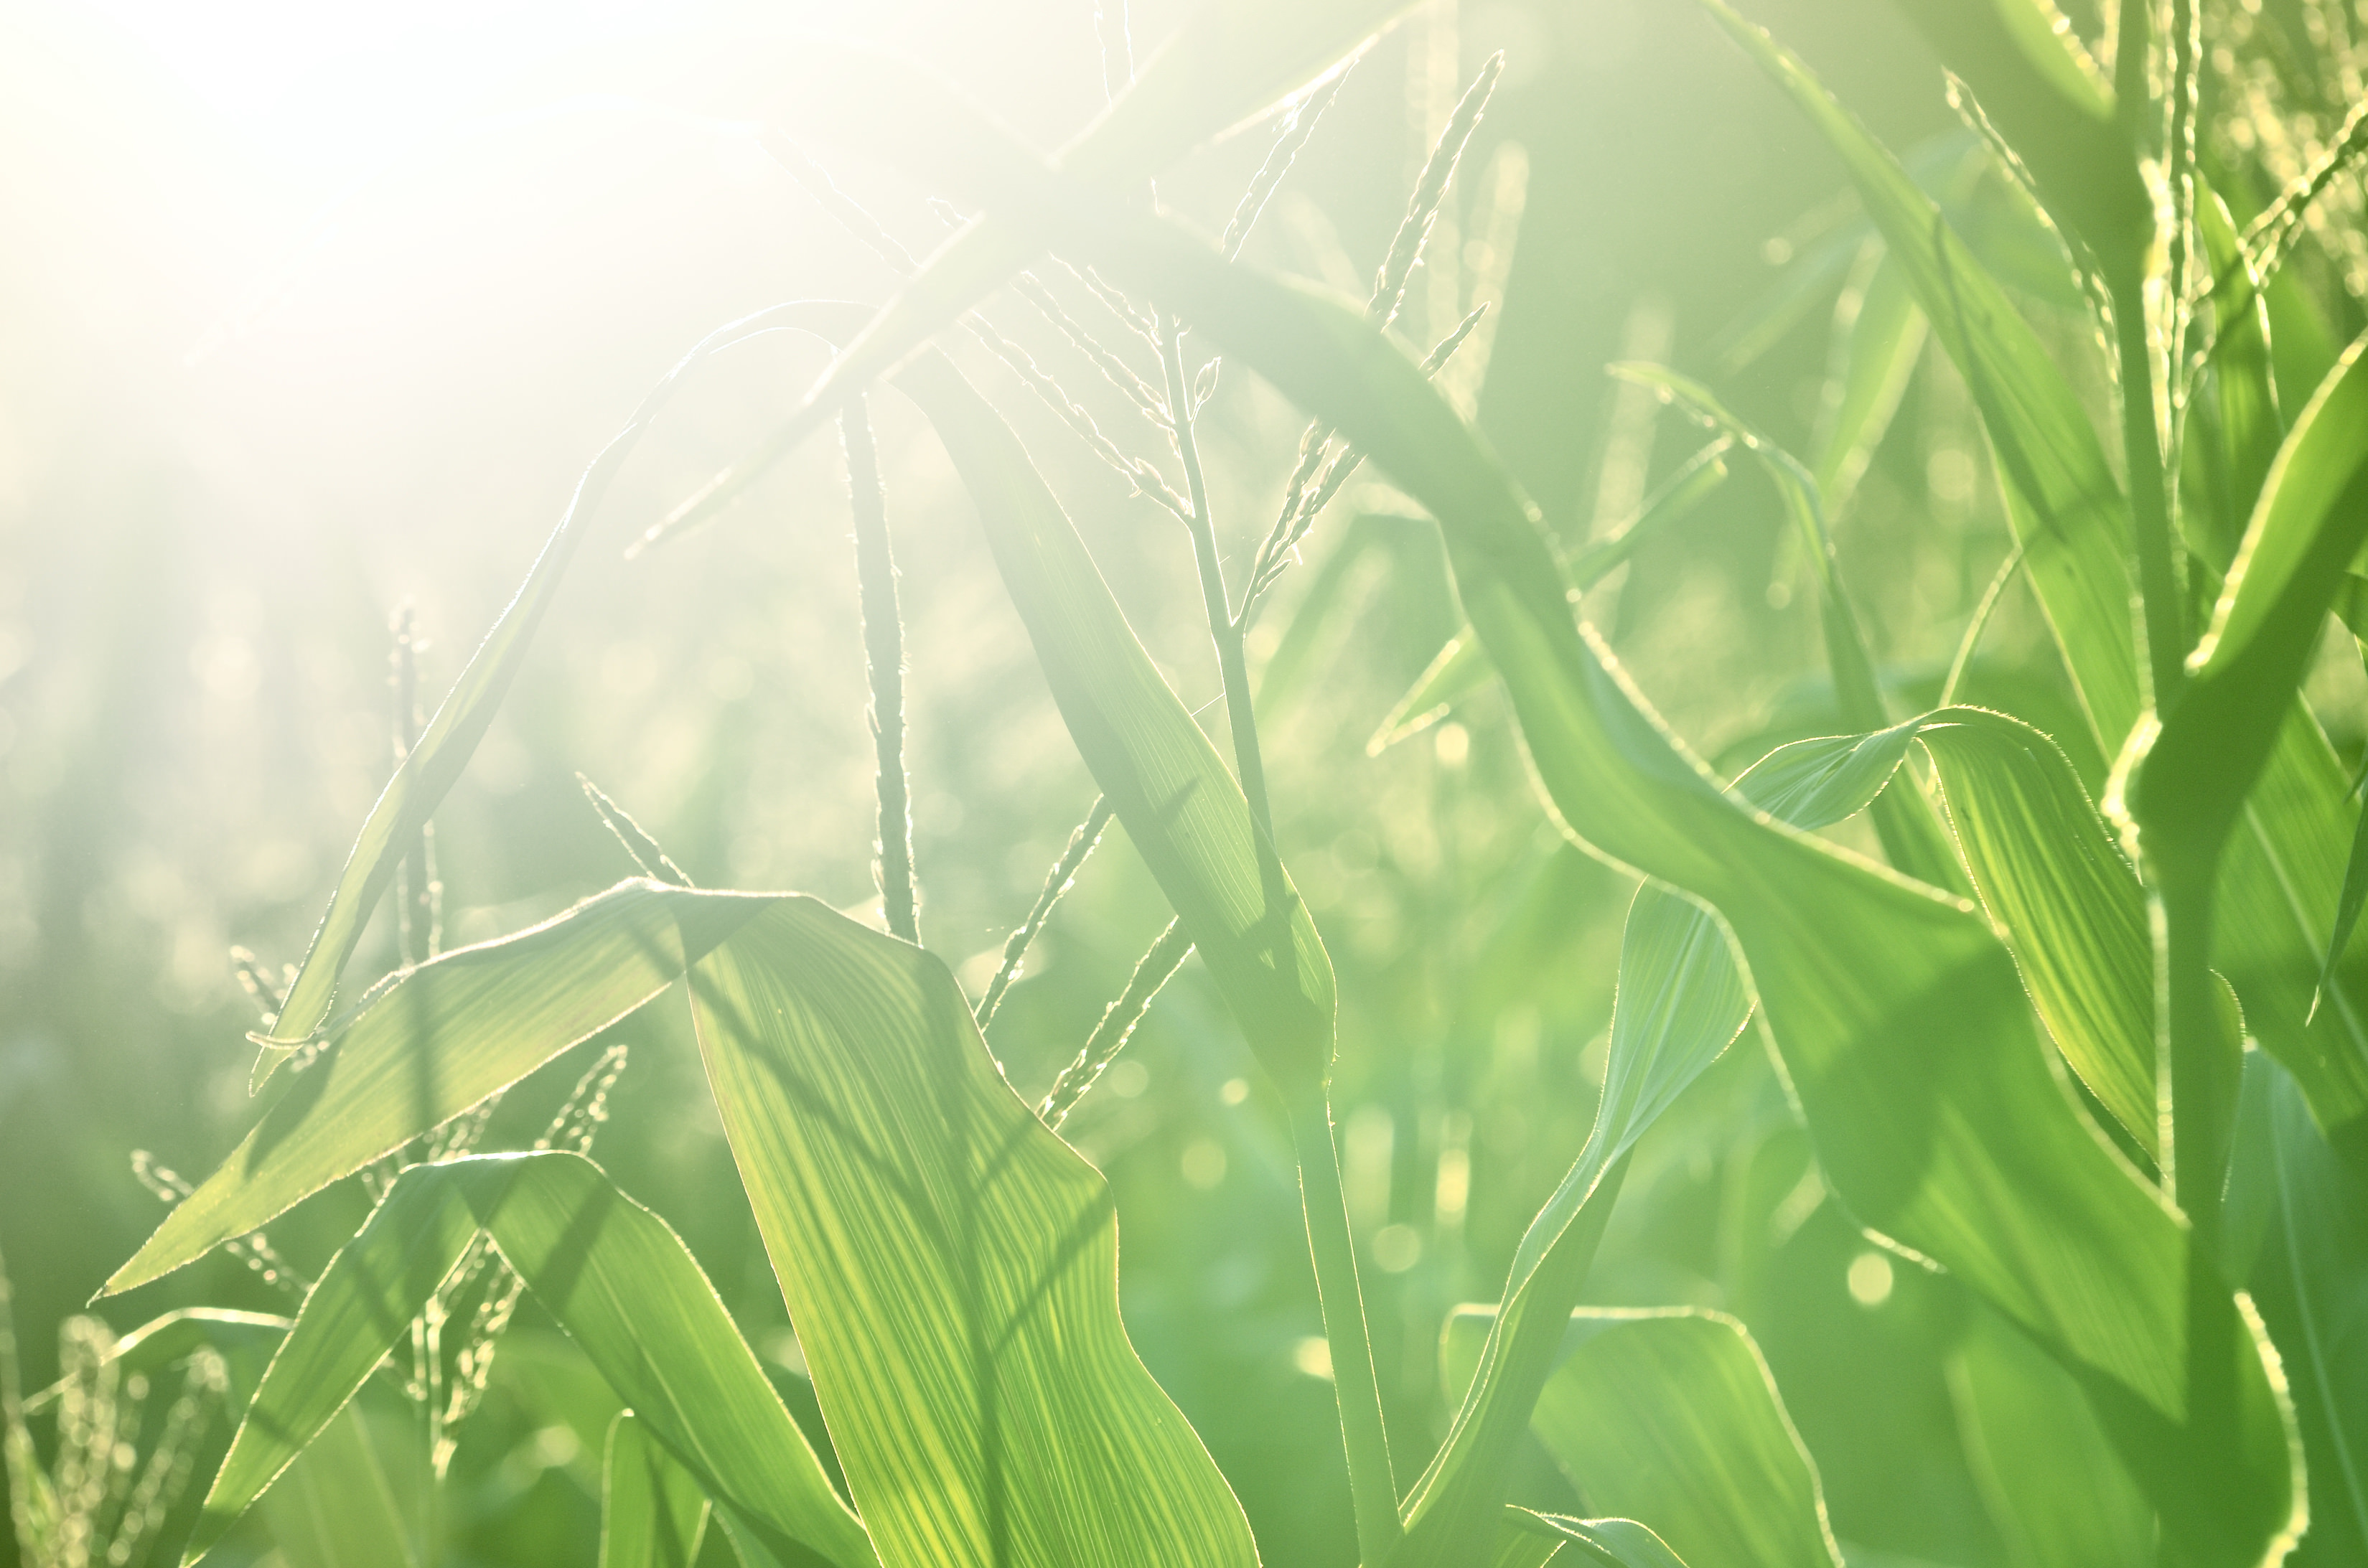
(245,416)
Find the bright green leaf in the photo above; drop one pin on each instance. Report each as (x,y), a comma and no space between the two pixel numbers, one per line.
(1670,1417)
(2046,1472)
(613,1275)
(653,1514)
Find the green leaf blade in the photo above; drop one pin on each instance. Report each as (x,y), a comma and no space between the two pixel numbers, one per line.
(950,1263)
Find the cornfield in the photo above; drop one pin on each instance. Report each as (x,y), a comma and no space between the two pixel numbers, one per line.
(1743,962)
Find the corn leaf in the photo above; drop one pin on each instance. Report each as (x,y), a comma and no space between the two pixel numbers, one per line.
(2068,512)
(2074,915)
(2048,1476)
(404,1064)
(2189,784)
(653,1514)
(1681,1001)
(950,1263)
(1611,1543)
(614,1276)
(336,1507)
(2309,1273)
(1671,1418)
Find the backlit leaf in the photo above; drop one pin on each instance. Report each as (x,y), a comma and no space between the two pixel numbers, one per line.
(1671,1418)
(653,1514)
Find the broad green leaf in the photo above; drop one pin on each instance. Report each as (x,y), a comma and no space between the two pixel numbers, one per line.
(1670,1417)
(338,1507)
(1899,1016)
(2073,912)
(2309,1273)
(1230,60)
(436,763)
(1611,1543)
(951,1264)
(2062,498)
(401,1065)
(616,1277)
(2047,1474)
(653,1514)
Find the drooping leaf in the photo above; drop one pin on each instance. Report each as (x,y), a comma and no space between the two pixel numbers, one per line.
(1903,818)
(614,1276)
(951,1264)
(2047,1475)
(402,1066)
(653,1514)
(2074,913)
(1670,1417)
(1462,666)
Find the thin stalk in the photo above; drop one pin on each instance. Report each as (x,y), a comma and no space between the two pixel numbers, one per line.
(2166,636)
(1373,1489)
(1372,1485)
(884,650)
(1233,661)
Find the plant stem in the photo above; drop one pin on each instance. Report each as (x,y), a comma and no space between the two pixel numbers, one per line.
(2166,637)
(2203,1058)
(1372,1488)
(1232,661)
(883,649)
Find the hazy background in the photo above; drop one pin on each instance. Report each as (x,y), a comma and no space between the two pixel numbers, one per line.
(311,312)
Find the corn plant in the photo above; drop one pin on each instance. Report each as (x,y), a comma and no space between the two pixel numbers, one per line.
(2098,1057)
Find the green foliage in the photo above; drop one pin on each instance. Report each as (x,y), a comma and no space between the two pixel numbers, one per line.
(2034,1237)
